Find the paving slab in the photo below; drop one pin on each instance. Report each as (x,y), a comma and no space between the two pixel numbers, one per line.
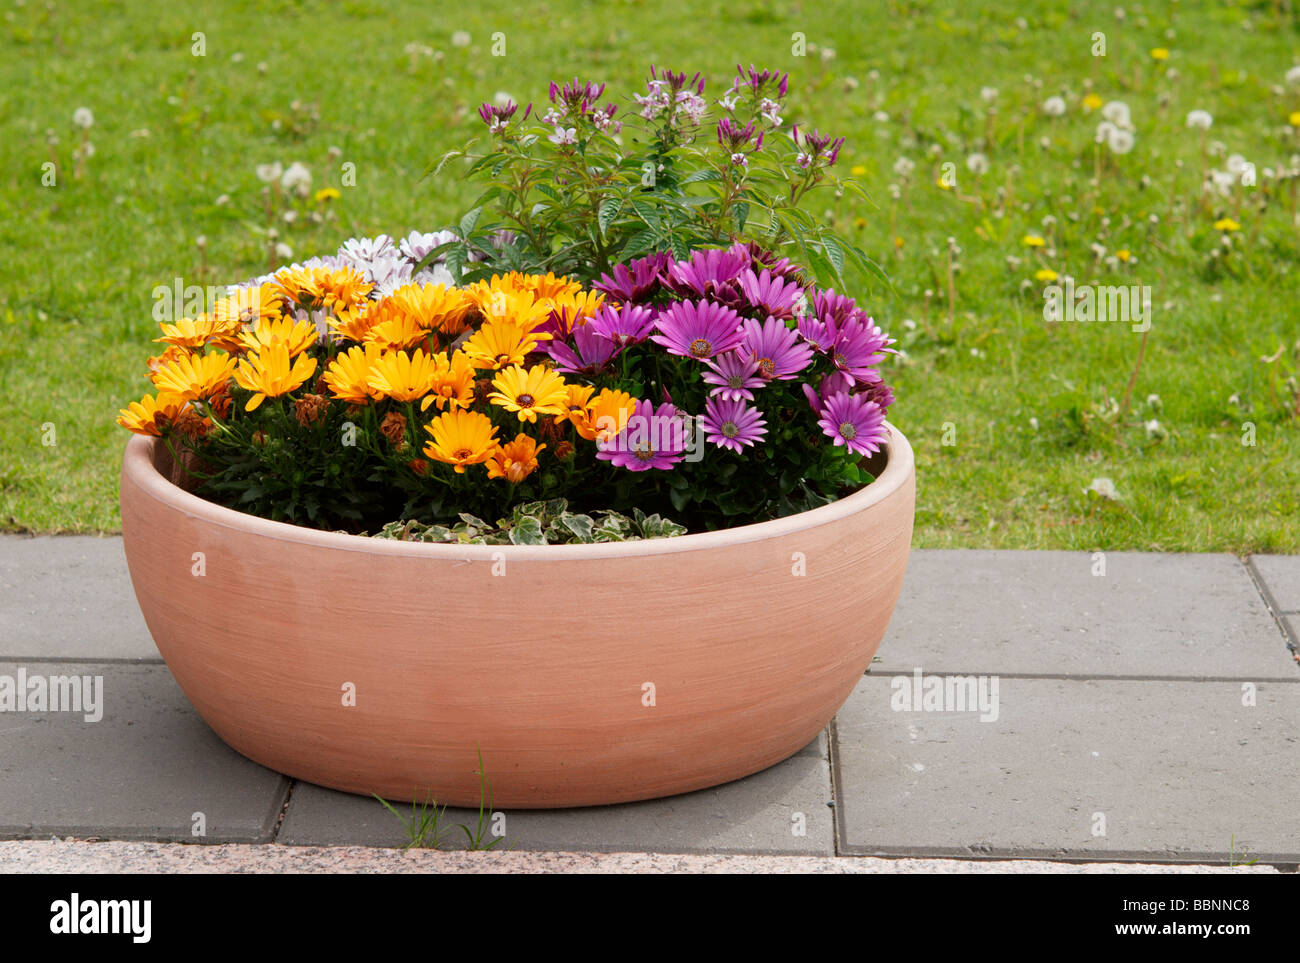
(1167,770)
(142,771)
(1046,613)
(1281,573)
(69,597)
(75,856)
(763,813)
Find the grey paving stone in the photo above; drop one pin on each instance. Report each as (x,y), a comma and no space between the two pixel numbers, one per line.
(1179,770)
(1045,613)
(1281,573)
(141,772)
(69,596)
(753,815)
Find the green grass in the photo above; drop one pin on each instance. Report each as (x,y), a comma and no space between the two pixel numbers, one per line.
(81,259)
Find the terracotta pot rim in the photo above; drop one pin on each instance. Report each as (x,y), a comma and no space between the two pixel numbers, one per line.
(138,464)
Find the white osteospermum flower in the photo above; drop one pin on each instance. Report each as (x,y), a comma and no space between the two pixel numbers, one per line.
(387,273)
(1054,106)
(83,118)
(358,252)
(1120,141)
(977,163)
(415,246)
(1199,119)
(296,178)
(1117,112)
(269,173)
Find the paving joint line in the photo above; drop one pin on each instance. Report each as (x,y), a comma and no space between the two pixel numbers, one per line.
(83,660)
(1091,677)
(284,809)
(1265,593)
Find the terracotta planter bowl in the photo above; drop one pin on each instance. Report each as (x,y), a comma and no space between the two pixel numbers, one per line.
(546,667)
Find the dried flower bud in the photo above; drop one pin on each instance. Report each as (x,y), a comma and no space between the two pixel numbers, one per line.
(393,428)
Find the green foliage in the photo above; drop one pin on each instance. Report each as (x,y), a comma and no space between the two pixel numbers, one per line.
(538,523)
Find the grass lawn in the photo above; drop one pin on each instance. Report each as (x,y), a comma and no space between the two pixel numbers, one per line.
(1012,418)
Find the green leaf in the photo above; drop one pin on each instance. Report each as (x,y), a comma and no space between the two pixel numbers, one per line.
(468,222)
(609,209)
(527,531)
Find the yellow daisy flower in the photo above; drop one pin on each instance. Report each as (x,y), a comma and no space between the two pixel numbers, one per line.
(571,311)
(268,374)
(434,306)
(297,336)
(343,289)
(497,302)
(529,393)
(150,414)
(500,343)
(576,404)
(193,376)
(190,333)
(404,377)
(461,438)
(399,330)
(247,306)
(348,375)
(515,460)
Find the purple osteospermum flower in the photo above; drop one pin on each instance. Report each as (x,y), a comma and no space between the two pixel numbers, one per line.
(625,325)
(769,295)
(776,349)
(837,308)
(761,258)
(590,352)
(856,347)
(855,422)
(651,439)
(815,333)
(637,280)
(697,329)
(834,383)
(733,374)
(710,274)
(732,424)
(881,394)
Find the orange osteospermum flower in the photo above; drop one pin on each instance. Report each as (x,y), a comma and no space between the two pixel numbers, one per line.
(297,336)
(348,375)
(576,404)
(606,415)
(398,330)
(247,306)
(404,377)
(341,289)
(535,391)
(571,311)
(461,438)
(515,460)
(453,381)
(150,415)
(191,333)
(499,344)
(434,306)
(268,373)
(501,303)
(193,376)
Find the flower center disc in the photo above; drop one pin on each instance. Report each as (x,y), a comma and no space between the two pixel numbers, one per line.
(730,430)
(700,348)
(525,401)
(848,431)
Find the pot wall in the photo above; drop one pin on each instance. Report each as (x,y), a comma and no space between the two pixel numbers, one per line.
(540,656)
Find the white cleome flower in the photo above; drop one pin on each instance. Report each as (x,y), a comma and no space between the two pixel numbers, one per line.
(1199,119)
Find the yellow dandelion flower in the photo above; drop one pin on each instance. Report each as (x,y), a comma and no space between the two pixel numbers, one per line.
(190,333)
(461,438)
(858,170)
(1124,254)
(515,460)
(942,184)
(1294,119)
(529,393)
(327,194)
(404,377)
(150,414)
(499,344)
(1092,102)
(1045,274)
(1032,240)
(348,375)
(1159,53)
(1226,224)
(192,376)
(606,415)
(297,336)
(268,373)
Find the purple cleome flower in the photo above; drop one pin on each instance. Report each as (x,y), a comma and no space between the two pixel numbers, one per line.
(776,349)
(855,422)
(769,295)
(624,325)
(498,118)
(697,329)
(732,424)
(816,149)
(652,439)
(733,374)
(589,354)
